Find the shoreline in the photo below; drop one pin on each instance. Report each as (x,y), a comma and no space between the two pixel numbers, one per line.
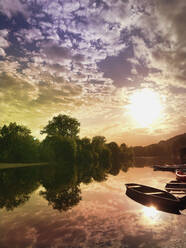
(19,165)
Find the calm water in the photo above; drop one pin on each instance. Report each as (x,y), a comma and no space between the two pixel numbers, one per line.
(98,214)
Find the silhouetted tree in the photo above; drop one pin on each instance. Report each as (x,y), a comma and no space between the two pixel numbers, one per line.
(115,158)
(17,144)
(127,156)
(63,125)
(60,148)
(98,141)
(183,155)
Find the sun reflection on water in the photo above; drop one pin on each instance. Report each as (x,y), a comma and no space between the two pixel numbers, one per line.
(151,214)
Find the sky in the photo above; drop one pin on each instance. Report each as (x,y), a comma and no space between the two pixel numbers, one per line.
(118,66)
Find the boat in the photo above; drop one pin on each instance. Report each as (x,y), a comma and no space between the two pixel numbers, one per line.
(177,186)
(181,175)
(157,198)
(169,167)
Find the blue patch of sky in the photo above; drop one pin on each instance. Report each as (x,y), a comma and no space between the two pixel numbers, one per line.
(118,68)
(13,24)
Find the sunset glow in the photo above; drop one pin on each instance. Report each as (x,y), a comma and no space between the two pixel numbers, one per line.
(108,64)
(145,107)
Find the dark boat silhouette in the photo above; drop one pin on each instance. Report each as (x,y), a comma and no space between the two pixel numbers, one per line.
(176,186)
(157,198)
(169,167)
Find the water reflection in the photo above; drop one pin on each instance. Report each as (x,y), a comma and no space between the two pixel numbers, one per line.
(150,212)
(151,215)
(60,183)
(104,216)
(16,186)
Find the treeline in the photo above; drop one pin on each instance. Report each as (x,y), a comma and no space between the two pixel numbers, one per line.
(62,145)
(174,148)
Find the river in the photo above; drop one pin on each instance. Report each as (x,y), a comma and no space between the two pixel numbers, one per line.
(96,214)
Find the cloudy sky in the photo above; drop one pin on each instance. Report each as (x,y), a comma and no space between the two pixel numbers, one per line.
(118,66)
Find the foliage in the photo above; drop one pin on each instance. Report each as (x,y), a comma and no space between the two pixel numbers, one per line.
(17,144)
(170,149)
(63,147)
(63,125)
(59,149)
(16,185)
(98,142)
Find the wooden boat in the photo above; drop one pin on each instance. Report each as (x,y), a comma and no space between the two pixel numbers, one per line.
(157,198)
(176,186)
(169,167)
(181,175)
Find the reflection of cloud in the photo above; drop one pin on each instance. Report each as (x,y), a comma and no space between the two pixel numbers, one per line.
(105,217)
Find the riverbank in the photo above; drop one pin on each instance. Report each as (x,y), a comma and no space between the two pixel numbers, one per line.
(18,165)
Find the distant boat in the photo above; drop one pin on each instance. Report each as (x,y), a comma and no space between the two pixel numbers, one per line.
(181,175)
(176,186)
(157,198)
(169,167)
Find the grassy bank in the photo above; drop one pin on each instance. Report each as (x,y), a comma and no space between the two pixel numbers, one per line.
(17,165)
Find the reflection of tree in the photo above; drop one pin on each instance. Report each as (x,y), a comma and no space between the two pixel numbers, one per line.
(89,160)
(16,186)
(115,158)
(61,187)
(64,199)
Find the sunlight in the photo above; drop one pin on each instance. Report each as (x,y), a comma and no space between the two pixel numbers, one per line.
(145,107)
(150,215)
(150,212)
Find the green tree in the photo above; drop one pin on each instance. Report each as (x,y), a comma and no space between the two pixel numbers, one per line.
(126,156)
(60,149)
(98,141)
(115,158)
(17,144)
(63,125)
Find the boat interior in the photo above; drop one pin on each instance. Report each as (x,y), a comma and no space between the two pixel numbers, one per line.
(150,191)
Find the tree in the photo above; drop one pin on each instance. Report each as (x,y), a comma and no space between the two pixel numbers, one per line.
(126,156)
(17,144)
(63,125)
(115,158)
(59,149)
(98,141)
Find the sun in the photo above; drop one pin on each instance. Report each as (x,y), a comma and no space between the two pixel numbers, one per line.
(145,107)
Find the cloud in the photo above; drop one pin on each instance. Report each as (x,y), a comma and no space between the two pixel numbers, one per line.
(3,42)
(2,52)
(56,53)
(30,35)
(33,104)
(10,8)
(97,48)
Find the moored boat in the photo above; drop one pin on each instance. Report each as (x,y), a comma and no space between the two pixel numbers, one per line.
(176,186)
(181,175)
(169,167)
(157,198)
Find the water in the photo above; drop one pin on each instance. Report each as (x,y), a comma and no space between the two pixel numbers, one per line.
(43,208)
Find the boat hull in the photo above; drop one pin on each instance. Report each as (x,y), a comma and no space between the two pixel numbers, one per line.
(180,176)
(172,168)
(175,186)
(169,205)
